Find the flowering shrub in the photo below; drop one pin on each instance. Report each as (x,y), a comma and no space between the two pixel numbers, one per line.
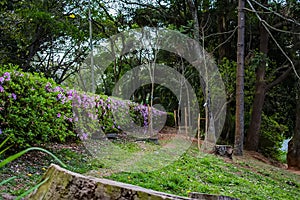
(35,110)
(111,115)
(28,112)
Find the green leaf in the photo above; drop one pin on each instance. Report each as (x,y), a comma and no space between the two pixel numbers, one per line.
(2,143)
(1,152)
(31,189)
(7,180)
(17,155)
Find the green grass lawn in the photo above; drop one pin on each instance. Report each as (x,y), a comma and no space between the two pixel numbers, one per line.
(243,177)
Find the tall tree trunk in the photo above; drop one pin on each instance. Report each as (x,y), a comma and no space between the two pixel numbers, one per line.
(260,94)
(293,156)
(239,122)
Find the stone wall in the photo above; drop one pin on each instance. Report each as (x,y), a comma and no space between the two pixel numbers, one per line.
(63,184)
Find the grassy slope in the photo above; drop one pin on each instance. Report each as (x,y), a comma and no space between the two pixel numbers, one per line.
(198,172)
(244,177)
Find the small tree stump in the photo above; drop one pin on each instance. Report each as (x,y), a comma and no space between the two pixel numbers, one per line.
(223,150)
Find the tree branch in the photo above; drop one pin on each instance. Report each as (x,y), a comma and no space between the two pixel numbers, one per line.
(281,78)
(276,13)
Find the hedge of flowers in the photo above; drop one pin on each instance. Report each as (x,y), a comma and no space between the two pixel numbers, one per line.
(35,110)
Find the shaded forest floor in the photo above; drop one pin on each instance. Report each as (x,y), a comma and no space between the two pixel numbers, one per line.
(251,176)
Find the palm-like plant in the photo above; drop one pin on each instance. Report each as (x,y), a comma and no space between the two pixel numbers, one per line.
(17,155)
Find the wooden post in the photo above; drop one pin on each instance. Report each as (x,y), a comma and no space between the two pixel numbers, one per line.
(175,118)
(150,120)
(198,135)
(186,121)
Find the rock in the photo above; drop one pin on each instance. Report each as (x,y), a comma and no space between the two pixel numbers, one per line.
(112,136)
(151,140)
(196,195)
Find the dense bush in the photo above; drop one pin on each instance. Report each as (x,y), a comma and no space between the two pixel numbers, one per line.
(29,112)
(271,138)
(35,110)
(111,115)
(170,119)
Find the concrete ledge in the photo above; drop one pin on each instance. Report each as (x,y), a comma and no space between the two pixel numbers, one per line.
(63,184)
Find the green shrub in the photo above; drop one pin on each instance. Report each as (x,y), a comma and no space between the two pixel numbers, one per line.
(170,119)
(29,112)
(35,110)
(271,138)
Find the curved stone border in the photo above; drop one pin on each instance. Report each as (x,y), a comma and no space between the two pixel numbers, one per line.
(64,185)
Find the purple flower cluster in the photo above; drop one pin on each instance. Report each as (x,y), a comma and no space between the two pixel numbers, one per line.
(6,77)
(110,114)
(144,111)
(13,95)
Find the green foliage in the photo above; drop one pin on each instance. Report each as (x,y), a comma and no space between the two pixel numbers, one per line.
(17,155)
(170,119)
(192,172)
(28,112)
(271,138)
(34,110)
(228,72)
(198,172)
(39,36)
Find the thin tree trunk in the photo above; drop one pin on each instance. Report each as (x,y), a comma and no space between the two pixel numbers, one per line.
(253,133)
(239,122)
(210,133)
(293,155)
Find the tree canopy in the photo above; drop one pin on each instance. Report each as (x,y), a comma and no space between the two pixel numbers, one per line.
(53,37)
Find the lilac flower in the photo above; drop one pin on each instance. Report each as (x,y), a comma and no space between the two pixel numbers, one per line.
(59,96)
(13,95)
(48,87)
(58,89)
(1,89)
(18,74)
(1,79)
(70,93)
(84,136)
(78,100)
(7,75)
(1,131)
(58,115)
